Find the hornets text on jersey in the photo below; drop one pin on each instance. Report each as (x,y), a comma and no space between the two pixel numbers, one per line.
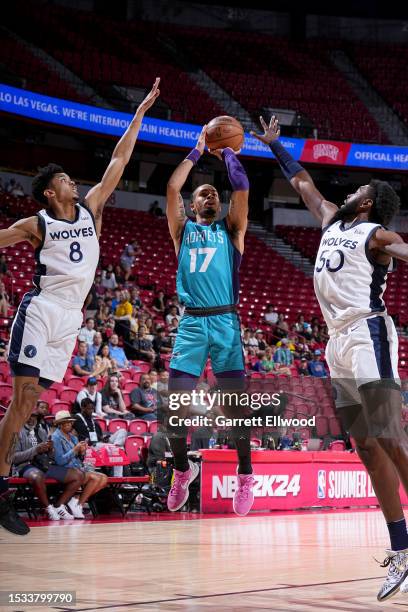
(208,266)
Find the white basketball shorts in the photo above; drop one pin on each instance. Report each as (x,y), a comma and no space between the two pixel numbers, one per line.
(43,336)
(364,352)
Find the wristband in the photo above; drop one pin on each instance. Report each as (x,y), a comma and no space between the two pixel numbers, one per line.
(194,156)
(289,166)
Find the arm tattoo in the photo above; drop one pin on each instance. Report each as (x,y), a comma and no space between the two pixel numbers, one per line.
(181,214)
(11,449)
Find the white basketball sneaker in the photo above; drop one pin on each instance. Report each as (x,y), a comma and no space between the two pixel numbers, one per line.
(52,513)
(397,573)
(63,513)
(76,508)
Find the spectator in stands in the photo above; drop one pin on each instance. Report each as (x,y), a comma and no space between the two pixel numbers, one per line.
(150,328)
(259,335)
(245,336)
(69,453)
(153,378)
(99,288)
(4,300)
(88,429)
(158,304)
(316,340)
(173,329)
(143,346)
(43,410)
(87,333)
(316,367)
(144,400)
(3,264)
(161,342)
(94,348)
(120,276)
(108,278)
(117,353)
(302,368)
(103,311)
(282,327)
(103,360)
(113,404)
(135,298)
(288,344)
(172,315)
(91,392)
(267,360)
(158,447)
(123,315)
(81,365)
(271,317)
(117,294)
(32,460)
(127,260)
(155,209)
(163,390)
(283,355)
(91,302)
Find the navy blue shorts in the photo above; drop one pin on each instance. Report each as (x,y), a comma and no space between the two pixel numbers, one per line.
(54,471)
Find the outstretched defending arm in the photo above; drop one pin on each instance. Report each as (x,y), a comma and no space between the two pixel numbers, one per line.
(389,243)
(300,180)
(24,229)
(98,195)
(176,214)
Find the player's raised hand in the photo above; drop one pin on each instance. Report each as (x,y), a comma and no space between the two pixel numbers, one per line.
(150,99)
(201,140)
(271,131)
(218,152)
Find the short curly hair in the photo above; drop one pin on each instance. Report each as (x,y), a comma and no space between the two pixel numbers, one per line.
(42,180)
(386,203)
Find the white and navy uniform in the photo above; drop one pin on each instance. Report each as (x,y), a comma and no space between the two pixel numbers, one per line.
(49,317)
(349,285)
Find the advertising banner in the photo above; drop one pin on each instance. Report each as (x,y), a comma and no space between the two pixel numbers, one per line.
(288,481)
(171,133)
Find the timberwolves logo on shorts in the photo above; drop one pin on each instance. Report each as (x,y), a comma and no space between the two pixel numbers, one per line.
(30,351)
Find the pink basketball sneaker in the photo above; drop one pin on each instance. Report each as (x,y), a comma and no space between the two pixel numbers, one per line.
(244,495)
(178,494)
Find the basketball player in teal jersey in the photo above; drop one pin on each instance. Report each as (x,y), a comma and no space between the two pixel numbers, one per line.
(209,252)
(354,258)
(65,235)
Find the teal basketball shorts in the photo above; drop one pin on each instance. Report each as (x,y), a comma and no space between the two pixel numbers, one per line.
(215,336)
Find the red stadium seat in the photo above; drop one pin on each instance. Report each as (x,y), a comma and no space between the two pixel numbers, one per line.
(133,448)
(138,427)
(115,424)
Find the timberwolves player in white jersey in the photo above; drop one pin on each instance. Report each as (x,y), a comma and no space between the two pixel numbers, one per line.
(355,255)
(65,237)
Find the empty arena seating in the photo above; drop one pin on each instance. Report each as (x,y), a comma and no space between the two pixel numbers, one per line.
(257,69)
(383,64)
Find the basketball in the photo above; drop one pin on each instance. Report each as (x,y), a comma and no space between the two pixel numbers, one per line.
(224,131)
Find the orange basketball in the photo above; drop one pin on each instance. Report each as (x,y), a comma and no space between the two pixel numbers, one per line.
(224,132)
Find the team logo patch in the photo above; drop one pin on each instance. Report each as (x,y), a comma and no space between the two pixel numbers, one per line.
(30,351)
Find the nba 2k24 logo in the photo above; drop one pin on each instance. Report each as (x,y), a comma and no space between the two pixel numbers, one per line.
(325,150)
(340,484)
(266,485)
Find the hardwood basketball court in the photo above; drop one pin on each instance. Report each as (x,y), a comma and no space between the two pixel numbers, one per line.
(277,561)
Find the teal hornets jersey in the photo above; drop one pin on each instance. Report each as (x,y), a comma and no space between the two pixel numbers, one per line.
(208,265)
